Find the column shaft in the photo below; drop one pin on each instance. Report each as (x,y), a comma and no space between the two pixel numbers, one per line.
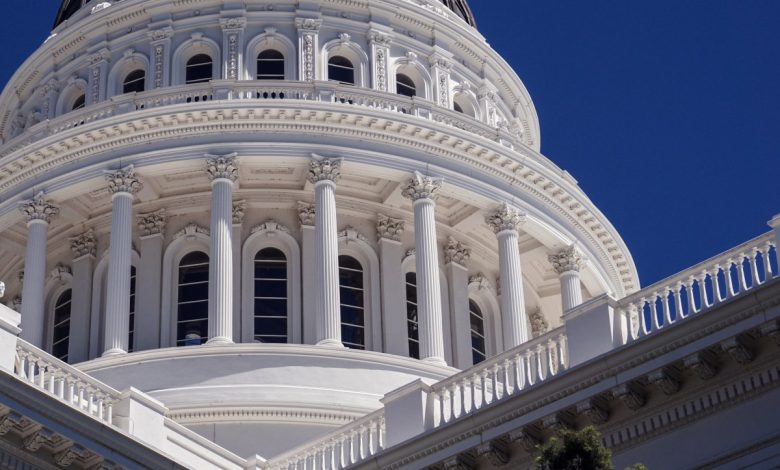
(428,282)
(327,268)
(571,290)
(34,279)
(221,262)
(118,280)
(512,302)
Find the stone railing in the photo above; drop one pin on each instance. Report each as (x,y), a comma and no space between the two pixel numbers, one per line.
(319,91)
(66,383)
(348,445)
(500,377)
(698,288)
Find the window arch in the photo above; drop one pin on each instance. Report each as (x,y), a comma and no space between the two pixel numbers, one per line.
(134,81)
(270,65)
(465,103)
(352,294)
(341,69)
(405,85)
(478,343)
(61,326)
(411,77)
(266,43)
(192,320)
(72,97)
(412,319)
(198,69)
(270,299)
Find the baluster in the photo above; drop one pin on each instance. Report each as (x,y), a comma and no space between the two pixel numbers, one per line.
(473,381)
(442,416)
(52,379)
(767,261)
(741,271)
(552,357)
(382,427)
(529,368)
(463,387)
(508,389)
(362,437)
(454,400)
(716,297)
(42,374)
(643,328)
(730,288)
(90,401)
(61,386)
(705,302)
(353,450)
(541,362)
(754,267)
(654,312)
(678,302)
(494,396)
(691,300)
(485,386)
(666,306)
(517,373)
(31,369)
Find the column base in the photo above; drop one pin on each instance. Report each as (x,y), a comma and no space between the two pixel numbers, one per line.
(114,352)
(438,361)
(220,340)
(331,343)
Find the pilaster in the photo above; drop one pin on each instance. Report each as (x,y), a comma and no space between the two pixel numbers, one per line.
(389,233)
(83,248)
(456,257)
(239,209)
(151,228)
(306,213)
(232,47)
(441,68)
(308,47)
(160,54)
(98,72)
(379,41)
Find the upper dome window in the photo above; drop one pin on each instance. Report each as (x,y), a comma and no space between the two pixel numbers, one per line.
(461,8)
(341,70)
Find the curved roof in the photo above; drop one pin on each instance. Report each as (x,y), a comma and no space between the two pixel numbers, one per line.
(69,7)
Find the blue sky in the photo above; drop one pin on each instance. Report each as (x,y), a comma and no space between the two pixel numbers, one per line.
(667,112)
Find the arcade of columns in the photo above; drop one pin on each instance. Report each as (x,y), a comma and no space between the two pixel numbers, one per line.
(324,174)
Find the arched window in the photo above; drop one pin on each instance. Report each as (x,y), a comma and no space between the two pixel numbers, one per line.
(405,85)
(79,102)
(134,81)
(457,108)
(199,69)
(61,329)
(131,337)
(270,65)
(270,296)
(192,322)
(477,332)
(412,322)
(341,70)
(353,317)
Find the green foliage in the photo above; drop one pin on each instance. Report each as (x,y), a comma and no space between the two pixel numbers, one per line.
(637,466)
(575,450)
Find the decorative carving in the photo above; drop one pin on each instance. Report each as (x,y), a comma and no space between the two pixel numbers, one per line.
(159,50)
(703,363)
(388,228)
(306,213)
(9,421)
(596,409)
(232,23)
(740,348)
(539,325)
(59,271)
(630,393)
(123,180)
(324,169)
(410,253)
(480,280)
(558,422)
(381,69)
(190,231)
(308,28)
(239,209)
(160,34)
(422,187)
(529,437)
(667,379)
(505,218)
(232,62)
(66,457)
(152,223)
(34,441)
(495,451)
(38,208)
(308,24)
(456,252)
(566,260)
(270,227)
(460,462)
(351,234)
(772,329)
(222,166)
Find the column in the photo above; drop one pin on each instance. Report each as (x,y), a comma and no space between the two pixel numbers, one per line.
(308,47)
(422,191)
(567,264)
(505,222)
(391,252)
(323,174)
(308,272)
(456,255)
(39,213)
(239,209)
(122,184)
(232,45)
(223,172)
(148,283)
(83,248)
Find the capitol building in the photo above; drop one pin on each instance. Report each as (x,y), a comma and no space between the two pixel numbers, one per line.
(321,234)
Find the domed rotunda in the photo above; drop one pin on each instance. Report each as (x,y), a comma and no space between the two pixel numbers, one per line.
(267,215)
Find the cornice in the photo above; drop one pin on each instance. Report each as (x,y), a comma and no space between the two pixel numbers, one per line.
(249,413)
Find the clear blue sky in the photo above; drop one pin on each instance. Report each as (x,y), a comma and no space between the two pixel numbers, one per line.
(666,111)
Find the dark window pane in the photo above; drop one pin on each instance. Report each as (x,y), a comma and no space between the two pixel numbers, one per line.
(477,357)
(271,288)
(271,339)
(478,343)
(477,325)
(413,330)
(457,107)
(270,254)
(353,337)
(193,258)
(80,102)
(61,330)
(405,85)
(193,292)
(351,315)
(271,326)
(349,262)
(270,307)
(352,297)
(194,311)
(192,333)
(270,65)
(341,70)
(414,350)
(199,69)
(411,293)
(272,270)
(134,82)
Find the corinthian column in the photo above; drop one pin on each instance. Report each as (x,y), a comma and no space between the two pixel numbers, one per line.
(505,222)
(39,213)
(323,174)
(223,172)
(567,264)
(122,184)
(422,191)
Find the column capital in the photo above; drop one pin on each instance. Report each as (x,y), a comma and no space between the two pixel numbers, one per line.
(222,166)
(123,180)
(152,223)
(38,208)
(505,218)
(84,244)
(306,213)
(567,260)
(422,187)
(239,210)
(456,252)
(389,228)
(324,169)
